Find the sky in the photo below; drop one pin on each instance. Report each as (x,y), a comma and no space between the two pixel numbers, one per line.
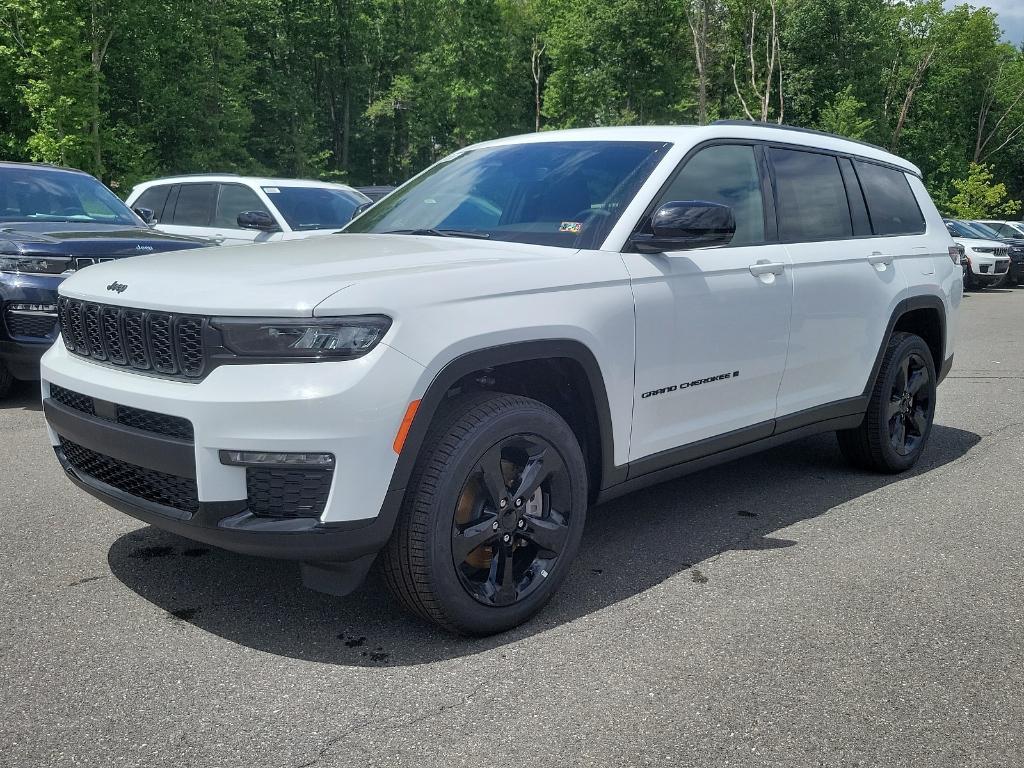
(1011,16)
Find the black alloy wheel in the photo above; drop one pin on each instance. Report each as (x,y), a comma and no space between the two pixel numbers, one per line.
(511,520)
(911,405)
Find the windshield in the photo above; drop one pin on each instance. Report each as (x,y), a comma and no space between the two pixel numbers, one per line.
(315,207)
(47,194)
(985,231)
(566,194)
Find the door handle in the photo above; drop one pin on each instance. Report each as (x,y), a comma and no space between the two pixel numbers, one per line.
(880,259)
(767,268)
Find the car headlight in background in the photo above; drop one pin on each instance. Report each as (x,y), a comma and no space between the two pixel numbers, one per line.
(34,265)
(328,338)
(982,249)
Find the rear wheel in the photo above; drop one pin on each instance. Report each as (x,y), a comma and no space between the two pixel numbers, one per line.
(493,515)
(900,412)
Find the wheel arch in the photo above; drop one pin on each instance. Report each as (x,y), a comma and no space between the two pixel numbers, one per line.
(924,316)
(589,416)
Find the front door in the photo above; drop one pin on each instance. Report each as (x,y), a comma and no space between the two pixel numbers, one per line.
(712,324)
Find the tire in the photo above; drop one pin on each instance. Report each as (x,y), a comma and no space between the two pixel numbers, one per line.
(899,417)
(6,381)
(452,506)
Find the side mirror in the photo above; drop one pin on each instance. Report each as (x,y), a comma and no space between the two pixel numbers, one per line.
(362,208)
(680,225)
(260,220)
(146,214)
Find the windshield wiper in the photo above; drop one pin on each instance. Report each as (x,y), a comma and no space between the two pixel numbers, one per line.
(440,233)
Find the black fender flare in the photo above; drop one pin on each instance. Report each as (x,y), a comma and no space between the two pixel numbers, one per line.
(902,308)
(491,357)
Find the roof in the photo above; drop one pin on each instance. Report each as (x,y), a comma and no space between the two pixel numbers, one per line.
(41,166)
(695,134)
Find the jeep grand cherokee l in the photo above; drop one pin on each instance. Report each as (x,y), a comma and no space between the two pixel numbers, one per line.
(54,221)
(530,326)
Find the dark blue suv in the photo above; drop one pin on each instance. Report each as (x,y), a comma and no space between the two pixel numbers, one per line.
(54,221)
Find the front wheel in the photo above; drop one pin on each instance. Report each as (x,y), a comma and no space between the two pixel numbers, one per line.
(493,516)
(900,412)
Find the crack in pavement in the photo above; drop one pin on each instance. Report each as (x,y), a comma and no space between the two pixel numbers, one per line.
(385,727)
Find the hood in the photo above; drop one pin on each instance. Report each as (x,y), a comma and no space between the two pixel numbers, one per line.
(72,246)
(286,279)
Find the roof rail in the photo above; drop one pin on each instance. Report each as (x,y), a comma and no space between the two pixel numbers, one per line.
(797,129)
(51,166)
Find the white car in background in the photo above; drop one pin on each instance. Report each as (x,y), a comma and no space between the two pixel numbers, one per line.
(988,261)
(234,210)
(1005,228)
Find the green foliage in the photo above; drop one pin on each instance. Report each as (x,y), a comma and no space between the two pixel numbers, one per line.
(845,116)
(977,197)
(371,91)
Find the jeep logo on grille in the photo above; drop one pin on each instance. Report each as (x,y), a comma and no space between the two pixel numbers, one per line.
(117,287)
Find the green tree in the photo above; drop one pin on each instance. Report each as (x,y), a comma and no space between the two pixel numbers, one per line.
(978,197)
(845,116)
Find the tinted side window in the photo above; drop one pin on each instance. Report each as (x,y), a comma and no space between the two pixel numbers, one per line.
(891,203)
(233,200)
(726,174)
(154,199)
(812,202)
(195,205)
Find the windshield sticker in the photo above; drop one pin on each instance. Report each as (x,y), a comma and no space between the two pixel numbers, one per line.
(574,227)
(272,190)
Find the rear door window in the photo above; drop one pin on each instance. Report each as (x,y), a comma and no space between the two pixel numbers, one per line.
(195,205)
(891,203)
(811,197)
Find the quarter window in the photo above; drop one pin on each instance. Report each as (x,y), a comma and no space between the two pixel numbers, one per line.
(235,199)
(891,203)
(725,174)
(195,204)
(812,203)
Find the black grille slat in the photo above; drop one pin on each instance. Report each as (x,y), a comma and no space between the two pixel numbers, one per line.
(135,340)
(189,342)
(36,326)
(287,492)
(162,342)
(91,321)
(110,327)
(149,484)
(78,327)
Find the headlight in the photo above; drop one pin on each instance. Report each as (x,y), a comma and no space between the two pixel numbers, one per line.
(39,265)
(328,338)
(980,249)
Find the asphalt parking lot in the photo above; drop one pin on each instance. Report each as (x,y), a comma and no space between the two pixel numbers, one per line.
(781,610)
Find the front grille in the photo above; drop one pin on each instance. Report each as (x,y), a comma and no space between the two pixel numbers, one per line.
(137,418)
(37,325)
(287,492)
(156,487)
(1001,266)
(1001,253)
(165,343)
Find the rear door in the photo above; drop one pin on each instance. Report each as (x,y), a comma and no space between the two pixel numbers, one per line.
(846,282)
(189,210)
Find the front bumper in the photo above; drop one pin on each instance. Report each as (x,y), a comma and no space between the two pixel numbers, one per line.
(26,335)
(349,409)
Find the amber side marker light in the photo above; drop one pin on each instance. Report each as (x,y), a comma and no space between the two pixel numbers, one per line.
(403,430)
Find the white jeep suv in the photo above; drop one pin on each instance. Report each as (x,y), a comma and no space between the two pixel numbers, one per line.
(530,326)
(238,210)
